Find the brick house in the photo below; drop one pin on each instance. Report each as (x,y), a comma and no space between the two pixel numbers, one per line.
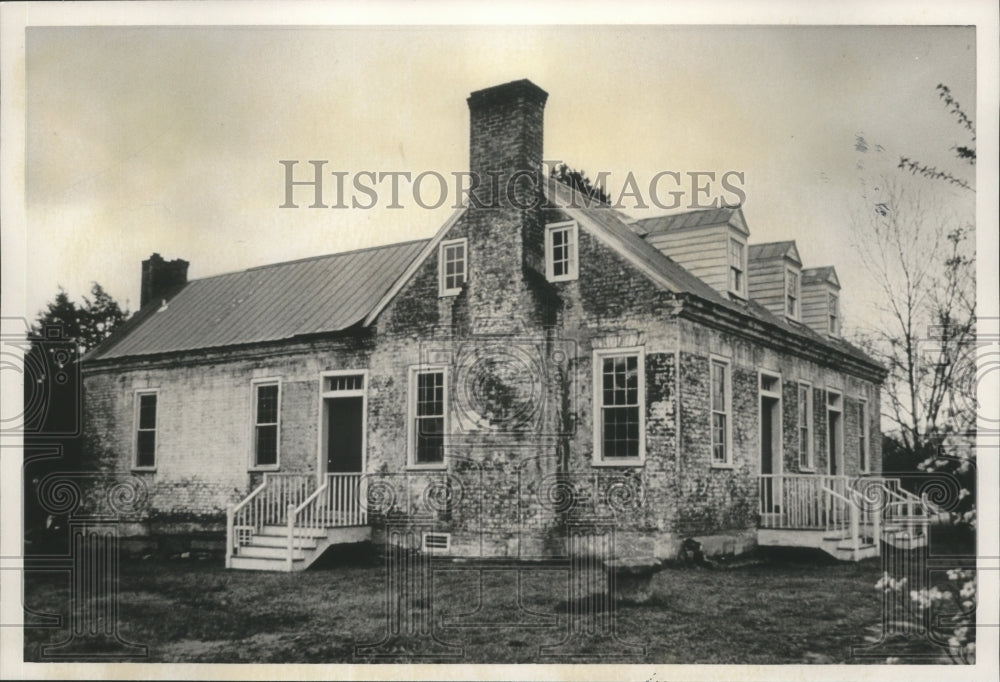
(542,363)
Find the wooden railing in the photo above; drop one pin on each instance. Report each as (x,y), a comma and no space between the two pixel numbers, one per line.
(798,501)
(338,503)
(854,508)
(846,517)
(267,505)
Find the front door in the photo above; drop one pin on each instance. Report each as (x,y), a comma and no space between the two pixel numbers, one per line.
(833,419)
(768,452)
(344,434)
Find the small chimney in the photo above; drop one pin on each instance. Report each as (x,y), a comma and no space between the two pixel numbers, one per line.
(161,277)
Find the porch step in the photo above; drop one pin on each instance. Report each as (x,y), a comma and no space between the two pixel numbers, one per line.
(302,541)
(267,552)
(247,563)
(299,532)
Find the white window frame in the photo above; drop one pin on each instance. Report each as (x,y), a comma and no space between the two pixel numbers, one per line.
(574,252)
(599,355)
(810,467)
(728,464)
(411,417)
(833,305)
(136,399)
(255,384)
(864,451)
(794,313)
(443,289)
(742,266)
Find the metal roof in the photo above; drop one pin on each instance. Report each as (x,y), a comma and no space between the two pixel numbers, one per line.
(689,219)
(785,249)
(827,274)
(268,303)
(610,222)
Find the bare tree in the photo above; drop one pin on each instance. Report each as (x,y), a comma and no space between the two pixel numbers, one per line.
(922,262)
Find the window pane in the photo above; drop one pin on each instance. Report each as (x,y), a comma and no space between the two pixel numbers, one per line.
(718,387)
(430,394)
(267,404)
(430,440)
(267,445)
(146,449)
(719,437)
(620,437)
(147,411)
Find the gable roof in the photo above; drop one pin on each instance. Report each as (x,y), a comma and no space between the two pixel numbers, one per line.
(322,294)
(607,225)
(772,250)
(268,303)
(826,274)
(689,220)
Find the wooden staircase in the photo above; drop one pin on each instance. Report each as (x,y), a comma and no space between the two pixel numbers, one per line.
(268,549)
(289,521)
(848,518)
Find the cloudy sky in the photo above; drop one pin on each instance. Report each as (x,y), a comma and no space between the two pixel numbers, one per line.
(169,139)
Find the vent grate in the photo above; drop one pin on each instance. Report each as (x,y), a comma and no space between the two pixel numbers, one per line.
(436,542)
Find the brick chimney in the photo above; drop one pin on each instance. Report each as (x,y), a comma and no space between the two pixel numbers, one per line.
(160,277)
(505,145)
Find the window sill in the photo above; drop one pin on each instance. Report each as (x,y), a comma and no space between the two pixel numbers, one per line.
(566,278)
(807,470)
(427,467)
(635,463)
(269,467)
(144,470)
(717,465)
(449,293)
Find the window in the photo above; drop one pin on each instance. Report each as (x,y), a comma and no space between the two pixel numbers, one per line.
(805,427)
(428,417)
(833,313)
(863,436)
(267,406)
(619,394)
(343,382)
(145,431)
(561,252)
(737,267)
(720,401)
(452,266)
(792,294)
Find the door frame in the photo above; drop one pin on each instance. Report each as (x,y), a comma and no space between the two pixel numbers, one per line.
(321,440)
(835,457)
(777,435)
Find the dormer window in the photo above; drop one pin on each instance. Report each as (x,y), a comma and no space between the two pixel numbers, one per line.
(561,255)
(452,265)
(833,317)
(737,267)
(791,294)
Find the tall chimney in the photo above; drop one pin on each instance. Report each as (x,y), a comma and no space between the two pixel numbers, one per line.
(160,277)
(505,212)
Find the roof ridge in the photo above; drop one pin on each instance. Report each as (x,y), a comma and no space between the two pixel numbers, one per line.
(308,258)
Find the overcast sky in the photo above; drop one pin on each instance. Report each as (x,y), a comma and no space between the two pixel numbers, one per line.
(169,139)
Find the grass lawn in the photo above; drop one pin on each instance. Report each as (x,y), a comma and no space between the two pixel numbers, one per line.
(785,610)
